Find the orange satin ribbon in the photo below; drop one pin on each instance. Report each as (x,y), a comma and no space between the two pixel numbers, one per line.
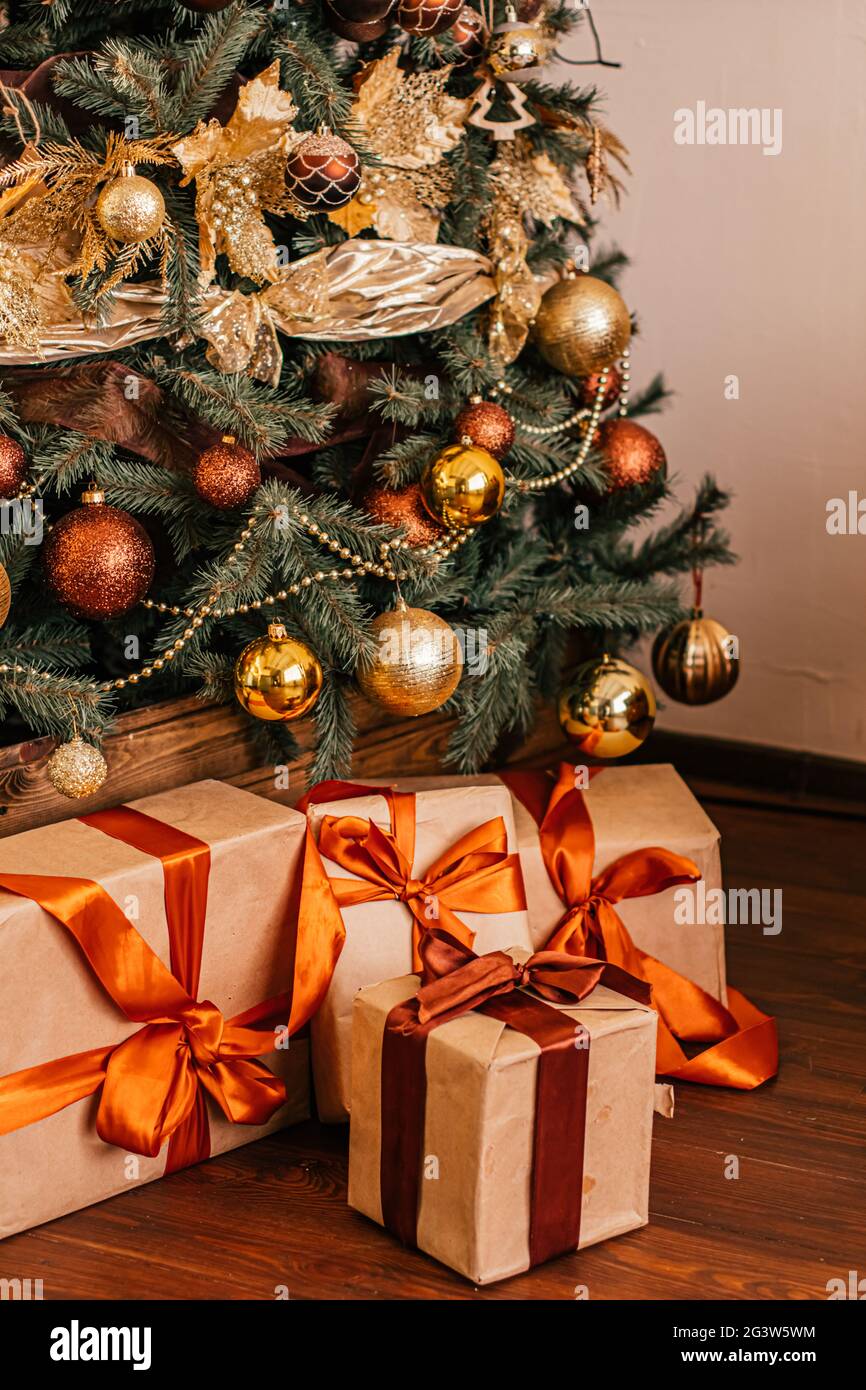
(745,1051)
(153,1084)
(477,874)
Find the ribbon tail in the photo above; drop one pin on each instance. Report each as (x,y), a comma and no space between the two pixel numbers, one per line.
(190,1142)
(35,1093)
(742,1061)
(320,935)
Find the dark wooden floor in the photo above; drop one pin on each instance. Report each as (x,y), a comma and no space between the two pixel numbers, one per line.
(274,1214)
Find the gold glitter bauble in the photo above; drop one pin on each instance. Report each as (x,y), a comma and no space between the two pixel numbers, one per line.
(417,664)
(76,768)
(130,208)
(277,677)
(486,424)
(582,326)
(226,475)
(13,466)
(516,51)
(692,661)
(632,455)
(402,507)
(608,709)
(98,560)
(463,486)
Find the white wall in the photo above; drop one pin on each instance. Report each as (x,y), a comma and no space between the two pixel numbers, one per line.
(754,265)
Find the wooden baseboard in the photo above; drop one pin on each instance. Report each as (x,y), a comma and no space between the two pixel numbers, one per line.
(780,776)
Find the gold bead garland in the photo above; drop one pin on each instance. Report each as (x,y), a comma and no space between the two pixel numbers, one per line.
(587,418)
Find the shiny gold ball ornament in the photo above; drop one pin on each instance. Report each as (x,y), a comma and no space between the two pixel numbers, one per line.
(417,663)
(323,172)
(226,475)
(517,51)
(76,768)
(130,208)
(98,560)
(13,466)
(487,425)
(692,660)
(463,486)
(582,326)
(277,677)
(631,455)
(608,708)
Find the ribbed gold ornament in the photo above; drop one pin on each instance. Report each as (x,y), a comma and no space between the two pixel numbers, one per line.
(76,768)
(692,661)
(130,208)
(464,486)
(608,708)
(277,677)
(582,326)
(417,664)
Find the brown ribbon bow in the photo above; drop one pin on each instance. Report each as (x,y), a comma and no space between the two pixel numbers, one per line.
(455,981)
(476,874)
(746,1047)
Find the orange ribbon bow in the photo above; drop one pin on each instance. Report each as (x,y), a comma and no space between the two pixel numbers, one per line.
(153,1084)
(746,1052)
(476,874)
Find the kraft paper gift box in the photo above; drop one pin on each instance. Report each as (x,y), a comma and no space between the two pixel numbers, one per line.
(487,902)
(462,1148)
(183,907)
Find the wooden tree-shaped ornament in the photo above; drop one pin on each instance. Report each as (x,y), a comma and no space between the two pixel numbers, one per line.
(482,100)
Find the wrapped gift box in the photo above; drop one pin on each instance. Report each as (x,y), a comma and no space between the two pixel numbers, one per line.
(243,889)
(482,1197)
(631,808)
(381,932)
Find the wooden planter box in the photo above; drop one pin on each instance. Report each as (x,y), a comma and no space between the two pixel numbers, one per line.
(178,741)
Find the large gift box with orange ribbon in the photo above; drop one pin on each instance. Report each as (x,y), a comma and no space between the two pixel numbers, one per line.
(502,1112)
(399,863)
(155,961)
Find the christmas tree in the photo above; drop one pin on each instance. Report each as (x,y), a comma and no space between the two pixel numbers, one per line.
(309,352)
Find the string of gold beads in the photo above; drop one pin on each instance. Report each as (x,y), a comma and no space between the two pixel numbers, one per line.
(561,475)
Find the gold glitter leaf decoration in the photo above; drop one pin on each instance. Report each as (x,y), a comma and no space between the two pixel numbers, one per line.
(239,170)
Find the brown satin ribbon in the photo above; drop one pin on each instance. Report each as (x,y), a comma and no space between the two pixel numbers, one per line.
(153,1084)
(745,1049)
(476,874)
(456,981)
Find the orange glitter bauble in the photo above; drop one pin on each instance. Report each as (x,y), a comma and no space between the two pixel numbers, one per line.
(226,474)
(98,560)
(487,425)
(13,466)
(631,455)
(403,509)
